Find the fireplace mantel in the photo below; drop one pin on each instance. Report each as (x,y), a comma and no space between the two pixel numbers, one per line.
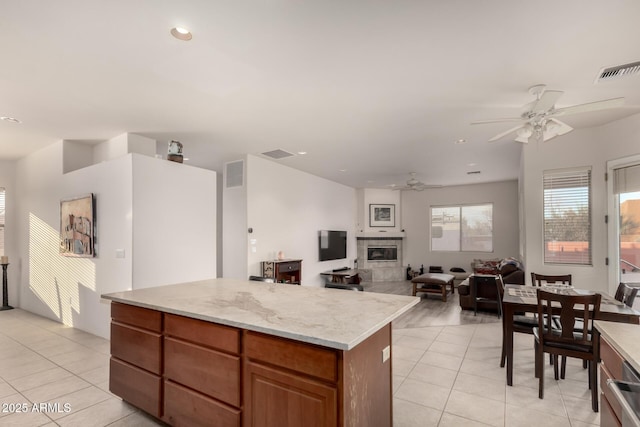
(380,235)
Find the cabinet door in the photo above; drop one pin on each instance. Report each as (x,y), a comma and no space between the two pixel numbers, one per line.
(607,417)
(274,398)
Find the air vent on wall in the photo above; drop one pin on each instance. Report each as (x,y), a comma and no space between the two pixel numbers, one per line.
(473,173)
(234,174)
(277,154)
(618,71)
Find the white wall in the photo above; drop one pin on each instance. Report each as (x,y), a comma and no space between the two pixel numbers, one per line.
(416,207)
(582,147)
(122,145)
(64,288)
(167,194)
(235,238)
(76,155)
(174,222)
(286,208)
(7,181)
(379,196)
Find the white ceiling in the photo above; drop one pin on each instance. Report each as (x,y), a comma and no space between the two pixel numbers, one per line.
(377,88)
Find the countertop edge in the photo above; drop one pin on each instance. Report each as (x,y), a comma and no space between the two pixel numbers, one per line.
(605,329)
(339,345)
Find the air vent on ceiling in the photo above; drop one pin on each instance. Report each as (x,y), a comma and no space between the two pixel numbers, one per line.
(618,71)
(473,173)
(277,154)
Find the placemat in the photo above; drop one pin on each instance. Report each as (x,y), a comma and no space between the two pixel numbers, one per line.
(530,292)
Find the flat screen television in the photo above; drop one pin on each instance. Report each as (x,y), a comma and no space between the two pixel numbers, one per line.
(332,244)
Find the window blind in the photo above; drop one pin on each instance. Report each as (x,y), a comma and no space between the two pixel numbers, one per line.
(567,216)
(626,179)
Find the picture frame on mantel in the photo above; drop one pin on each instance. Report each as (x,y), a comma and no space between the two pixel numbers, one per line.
(381,215)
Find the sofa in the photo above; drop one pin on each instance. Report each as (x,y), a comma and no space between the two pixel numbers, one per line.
(511,270)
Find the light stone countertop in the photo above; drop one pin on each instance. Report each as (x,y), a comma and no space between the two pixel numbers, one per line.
(624,337)
(334,318)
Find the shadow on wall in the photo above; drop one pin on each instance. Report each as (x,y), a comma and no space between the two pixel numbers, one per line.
(55,280)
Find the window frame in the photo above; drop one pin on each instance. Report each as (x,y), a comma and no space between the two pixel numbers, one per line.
(568,174)
(461,236)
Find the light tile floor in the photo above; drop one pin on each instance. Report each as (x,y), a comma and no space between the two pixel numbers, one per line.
(442,376)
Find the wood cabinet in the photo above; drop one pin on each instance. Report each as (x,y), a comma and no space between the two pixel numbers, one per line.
(283,271)
(190,372)
(136,357)
(610,368)
(201,373)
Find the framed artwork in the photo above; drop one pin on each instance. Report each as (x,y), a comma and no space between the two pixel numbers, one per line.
(78,226)
(382,215)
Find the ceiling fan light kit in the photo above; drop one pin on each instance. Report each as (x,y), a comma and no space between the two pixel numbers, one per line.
(414,184)
(538,122)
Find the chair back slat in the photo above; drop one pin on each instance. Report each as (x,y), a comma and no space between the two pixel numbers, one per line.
(626,293)
(569,308)
(540,279)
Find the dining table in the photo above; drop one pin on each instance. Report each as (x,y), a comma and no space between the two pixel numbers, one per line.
(523,299)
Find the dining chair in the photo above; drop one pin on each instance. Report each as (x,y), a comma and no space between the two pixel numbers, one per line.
(525,324)
(567,341)
(626,293)
(540,279)
(487,290)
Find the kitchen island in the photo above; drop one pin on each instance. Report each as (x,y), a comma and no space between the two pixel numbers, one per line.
(228,352)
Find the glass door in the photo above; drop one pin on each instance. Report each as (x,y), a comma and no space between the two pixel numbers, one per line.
(629,236)
(624,224)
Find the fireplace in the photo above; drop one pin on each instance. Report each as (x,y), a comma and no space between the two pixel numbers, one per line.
(382,253)
(381,257)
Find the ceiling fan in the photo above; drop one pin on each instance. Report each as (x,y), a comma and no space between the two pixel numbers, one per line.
(538,121)
(414,184)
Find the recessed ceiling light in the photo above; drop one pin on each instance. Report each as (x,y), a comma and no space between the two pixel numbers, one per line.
(302,153)
(10,119)
(461,141)
(343,170)
(471,164)
(181,33)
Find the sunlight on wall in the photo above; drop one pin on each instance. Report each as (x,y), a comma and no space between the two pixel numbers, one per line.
(55,279)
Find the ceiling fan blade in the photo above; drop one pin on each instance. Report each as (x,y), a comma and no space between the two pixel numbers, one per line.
(505,133)
(509,119)
(546,101)
(563,127)
(590,106)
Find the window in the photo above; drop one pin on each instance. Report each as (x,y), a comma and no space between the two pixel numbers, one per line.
(467,228)
(626,188)
(1,221)
(567,216)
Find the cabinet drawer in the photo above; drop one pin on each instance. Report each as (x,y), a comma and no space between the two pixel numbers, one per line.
(611,359)
(285,267)
(137,316)
(138,387)
(208,334)
(184,407)
(305,358)
(136,346)
(607,393)
(207,371)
